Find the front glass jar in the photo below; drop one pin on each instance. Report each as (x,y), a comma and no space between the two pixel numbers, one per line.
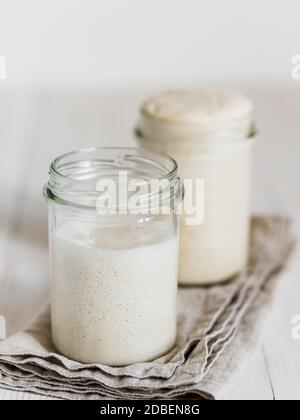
(211,134)
(114,269)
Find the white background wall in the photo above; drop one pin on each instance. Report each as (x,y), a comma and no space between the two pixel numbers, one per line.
(91,63)
(148,41)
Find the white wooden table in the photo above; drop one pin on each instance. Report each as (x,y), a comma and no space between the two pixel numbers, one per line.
(37,126)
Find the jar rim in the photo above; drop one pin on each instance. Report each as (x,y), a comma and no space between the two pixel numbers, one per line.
(56,161)
(71,188)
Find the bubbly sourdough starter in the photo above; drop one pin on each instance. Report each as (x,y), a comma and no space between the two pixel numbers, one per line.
(218,249)
(207,133)
(114,305)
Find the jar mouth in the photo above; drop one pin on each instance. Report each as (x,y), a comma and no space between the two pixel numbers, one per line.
(75,178)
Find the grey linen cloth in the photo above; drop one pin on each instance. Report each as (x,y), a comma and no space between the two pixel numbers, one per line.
(216,327)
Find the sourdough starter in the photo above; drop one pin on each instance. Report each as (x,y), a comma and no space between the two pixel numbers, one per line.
(114,292)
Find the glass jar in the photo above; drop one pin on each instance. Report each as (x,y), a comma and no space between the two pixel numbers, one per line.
(114,271)
(210,133)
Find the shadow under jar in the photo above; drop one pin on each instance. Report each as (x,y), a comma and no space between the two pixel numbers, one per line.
(113,236)
(210,133)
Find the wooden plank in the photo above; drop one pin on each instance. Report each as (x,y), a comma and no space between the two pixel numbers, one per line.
(252,383)
(14,126)
(6,395)
(13,109)
(282,351)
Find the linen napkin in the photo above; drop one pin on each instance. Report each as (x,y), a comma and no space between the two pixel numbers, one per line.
(216,327)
